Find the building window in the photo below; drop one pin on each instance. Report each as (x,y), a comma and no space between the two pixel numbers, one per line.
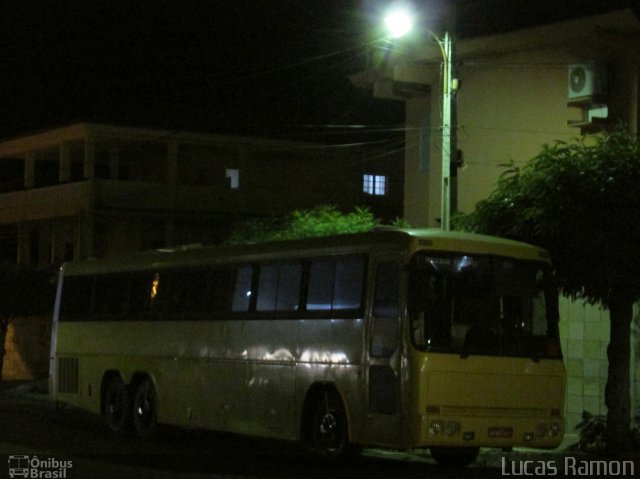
(234,178)
(374,184)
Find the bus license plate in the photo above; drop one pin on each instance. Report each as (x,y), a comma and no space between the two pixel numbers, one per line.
(500,432)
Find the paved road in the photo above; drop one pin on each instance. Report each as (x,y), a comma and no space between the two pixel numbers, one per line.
(31,425)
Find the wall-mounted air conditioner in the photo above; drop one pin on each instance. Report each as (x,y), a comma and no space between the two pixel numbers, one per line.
(587,80)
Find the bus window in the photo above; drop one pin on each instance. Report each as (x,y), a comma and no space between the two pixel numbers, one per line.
(481,305)
(110,294)
(76,298)
(146,292)
(242,293)
(222,285)
(349,282)
(188,291)
(279,287)
(335,283)
(320,294)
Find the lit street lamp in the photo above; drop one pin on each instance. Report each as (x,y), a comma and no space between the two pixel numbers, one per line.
(399,22)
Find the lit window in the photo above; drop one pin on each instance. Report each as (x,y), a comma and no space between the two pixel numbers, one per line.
(234,178)
(374,184)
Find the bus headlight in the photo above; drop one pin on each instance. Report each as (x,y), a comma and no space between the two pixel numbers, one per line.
(435,428)
(554,429)
(452,428)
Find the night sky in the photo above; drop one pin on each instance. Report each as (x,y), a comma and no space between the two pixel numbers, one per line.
(266,67)
(240,66)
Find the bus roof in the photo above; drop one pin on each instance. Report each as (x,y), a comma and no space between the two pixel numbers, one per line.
(410,240)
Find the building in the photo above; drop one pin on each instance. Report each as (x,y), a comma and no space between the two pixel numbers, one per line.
(89,190)
(518,91)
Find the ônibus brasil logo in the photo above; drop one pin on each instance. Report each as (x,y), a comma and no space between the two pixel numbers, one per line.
(35,468)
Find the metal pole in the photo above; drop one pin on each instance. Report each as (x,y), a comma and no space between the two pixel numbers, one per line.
(446,134)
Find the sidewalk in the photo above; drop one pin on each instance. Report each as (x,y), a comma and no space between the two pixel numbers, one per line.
(20,386)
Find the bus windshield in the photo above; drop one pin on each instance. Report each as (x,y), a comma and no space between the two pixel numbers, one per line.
(483,305)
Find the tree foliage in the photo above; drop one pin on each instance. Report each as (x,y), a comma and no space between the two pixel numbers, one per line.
(321,220)
(581,201)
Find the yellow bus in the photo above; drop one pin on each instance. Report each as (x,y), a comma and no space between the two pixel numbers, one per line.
(394,338)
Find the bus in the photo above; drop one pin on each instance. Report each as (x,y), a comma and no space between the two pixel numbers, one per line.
(394,338)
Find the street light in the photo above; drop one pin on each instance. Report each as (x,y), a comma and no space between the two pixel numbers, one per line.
(399,22)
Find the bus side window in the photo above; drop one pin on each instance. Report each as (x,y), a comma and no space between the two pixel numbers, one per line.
(386,311)
(76,298)
(188,291)
(242,293)
(320,293)
(222,288)
(335,283)
(110,294)
(145,292)
(349,283)
(279,287)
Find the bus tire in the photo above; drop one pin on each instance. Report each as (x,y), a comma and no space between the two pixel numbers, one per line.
(454,456)
(328,436)
(116,406)
(144,409)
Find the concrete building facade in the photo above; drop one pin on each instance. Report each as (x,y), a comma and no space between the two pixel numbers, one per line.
(89,190)
(516,92)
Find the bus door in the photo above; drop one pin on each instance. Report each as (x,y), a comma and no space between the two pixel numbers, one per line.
(384,353)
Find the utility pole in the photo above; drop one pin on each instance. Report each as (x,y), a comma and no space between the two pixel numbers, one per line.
(448,144)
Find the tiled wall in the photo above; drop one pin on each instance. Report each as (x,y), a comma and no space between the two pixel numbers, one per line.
(584,331)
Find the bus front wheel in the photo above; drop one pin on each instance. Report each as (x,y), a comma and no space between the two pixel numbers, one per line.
(329,434)
(116,405)
(144,411)
(454,456)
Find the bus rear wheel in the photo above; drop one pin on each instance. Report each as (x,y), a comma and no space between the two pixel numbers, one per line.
(454,456)
(116,406)
(144,410)
(329,430)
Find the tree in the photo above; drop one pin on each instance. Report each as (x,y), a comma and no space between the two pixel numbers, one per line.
(321,220)
(22,294)
(581,200)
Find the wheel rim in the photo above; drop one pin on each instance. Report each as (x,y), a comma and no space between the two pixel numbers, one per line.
(330,432)
(116,406)
(144,407)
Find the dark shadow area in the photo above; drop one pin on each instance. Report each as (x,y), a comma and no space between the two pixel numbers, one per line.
(65,433)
